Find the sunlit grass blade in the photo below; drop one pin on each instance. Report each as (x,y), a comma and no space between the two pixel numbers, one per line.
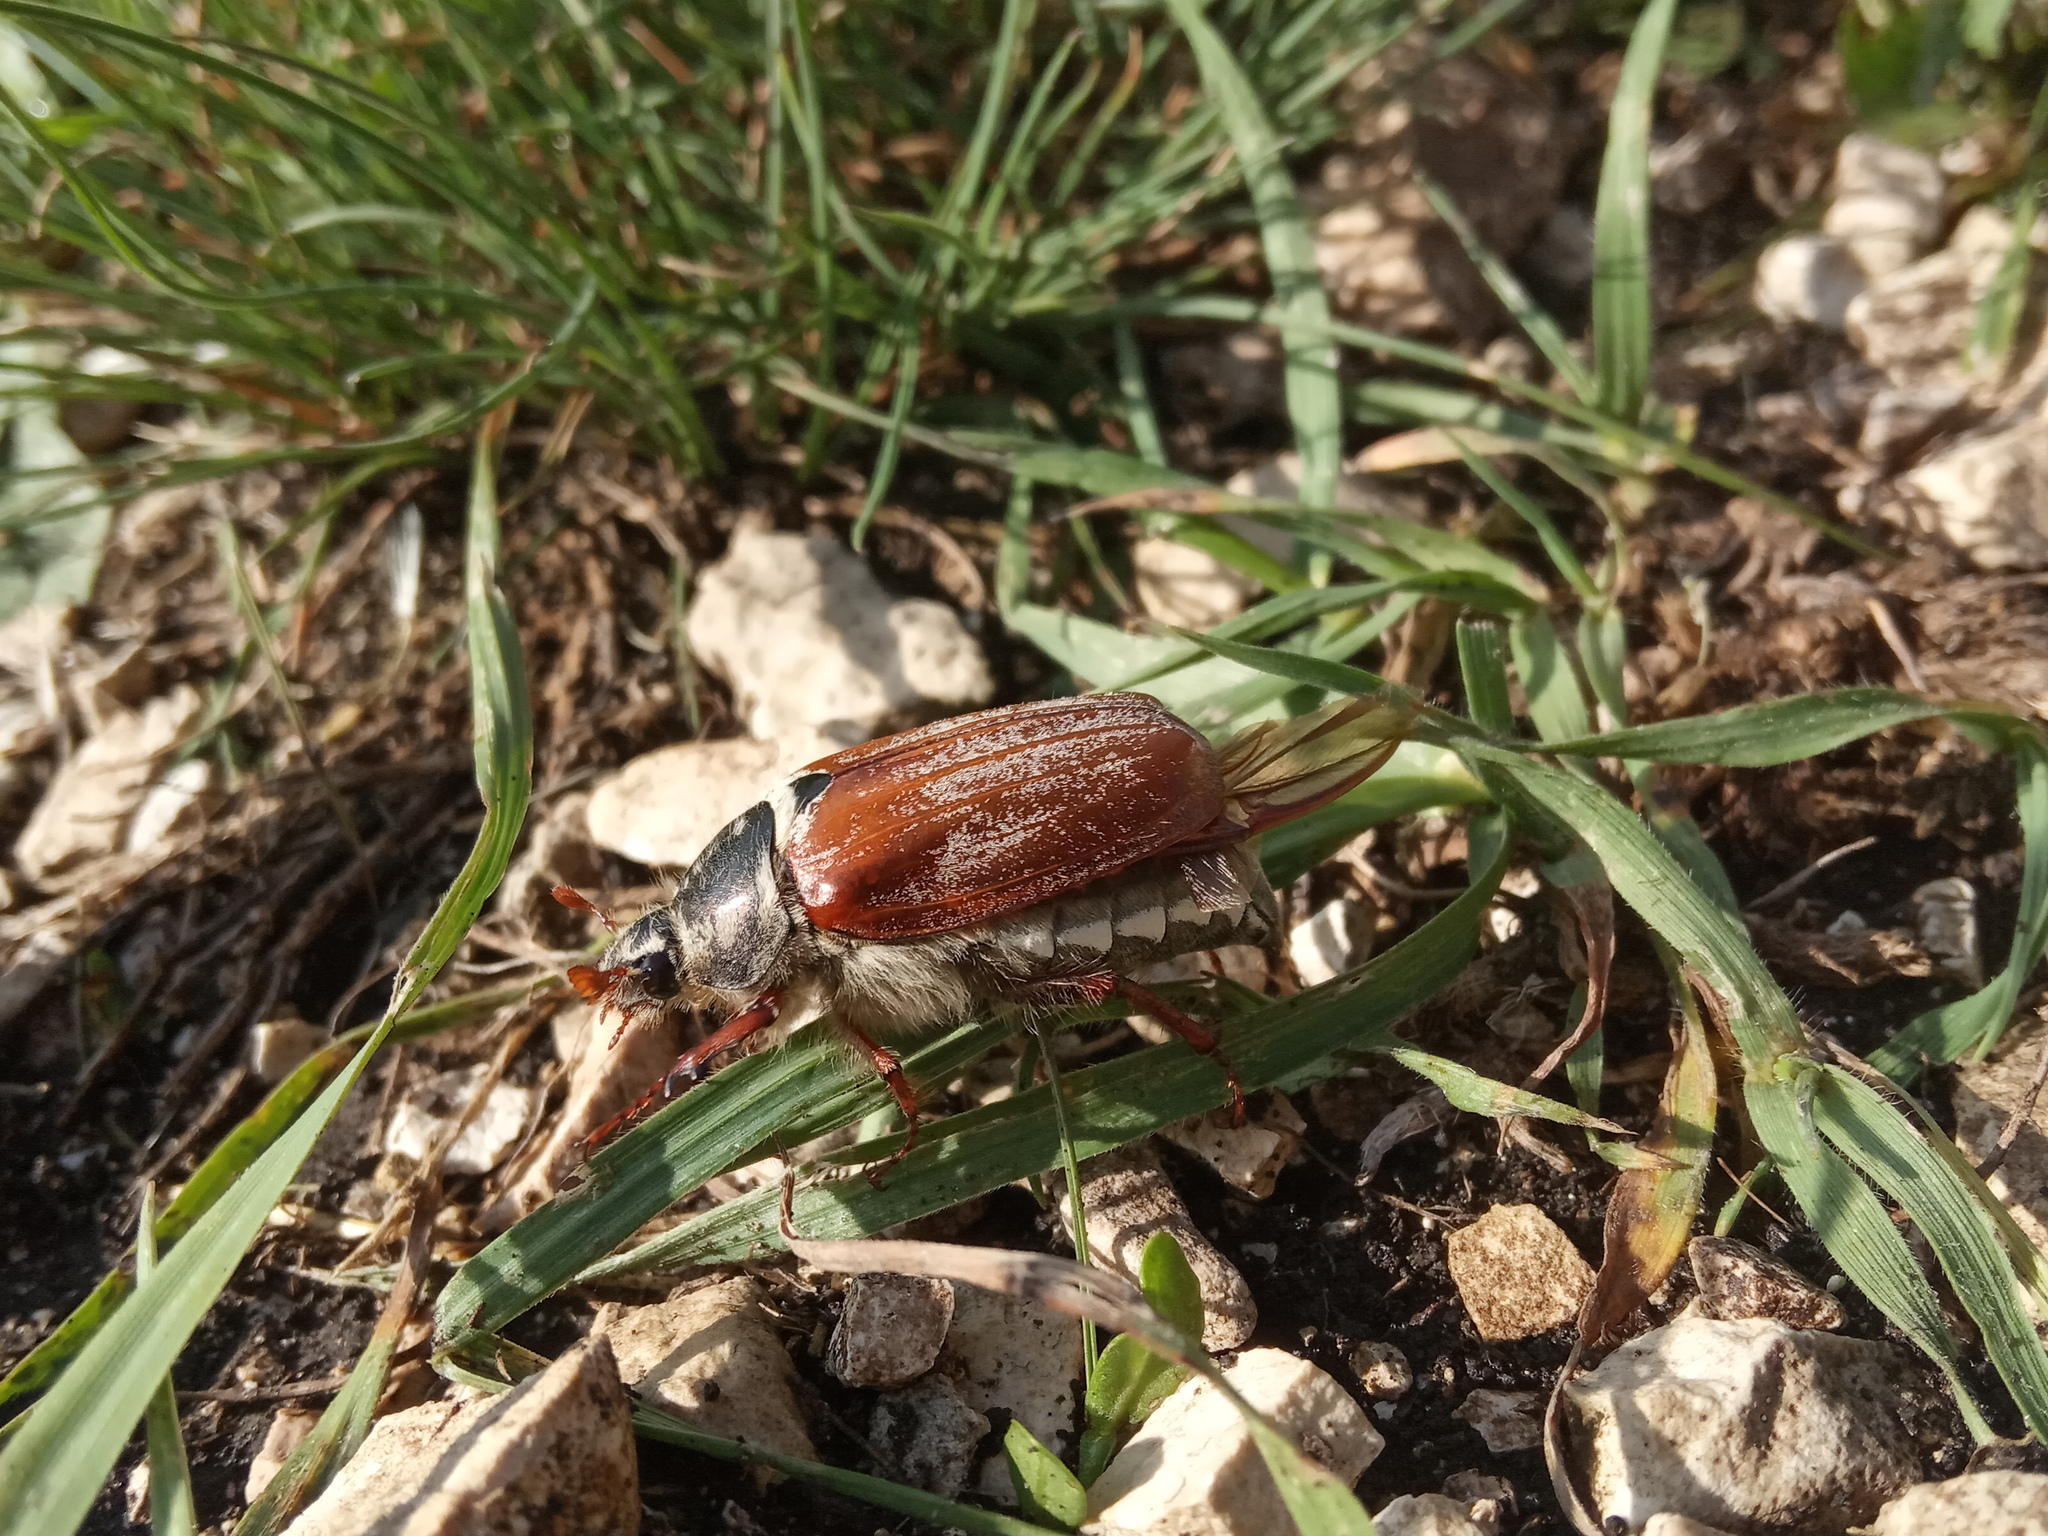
(1534,320)
(1550,678)
(1621,224)
(1760,735)
(170,1473)
(1878,1140)
(1313,401)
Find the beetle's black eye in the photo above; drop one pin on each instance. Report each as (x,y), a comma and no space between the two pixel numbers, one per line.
(657,973)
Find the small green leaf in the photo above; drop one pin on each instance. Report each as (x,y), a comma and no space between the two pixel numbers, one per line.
(1046,1491)
(1170,1285)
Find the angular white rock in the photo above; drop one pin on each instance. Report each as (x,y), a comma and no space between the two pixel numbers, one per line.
(1427,1514)
(1748,1425)
(708,1355)
(1887,206)
(1517,1273)
(1249,1156)
(423,1115)
(555,1454)
(1127,1198)
(665,805)
(1946,916)
(816,651)
(1679,1525)
(1192,1469)
(1810,279)
(1506,1421)
(1012,1353)
(1382,1370)
(1987,494)
(929,1434)
(84,813)
(1178,584)
(1976,1504)
(890,1329)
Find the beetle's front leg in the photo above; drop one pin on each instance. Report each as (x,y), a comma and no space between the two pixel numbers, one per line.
(691,1067)
(1191,1030)
(890,1065)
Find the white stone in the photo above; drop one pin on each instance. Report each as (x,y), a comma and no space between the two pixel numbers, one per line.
(1976,1504)
(1383,1370)
(425,1112)
(1331,939)
(1193,1470)
(814,648)
(1809,279)
(890,1329)
(1187,587)
(174,806)
(1517,1273)
(929,1434)
(1427,1514)
(709,1355)
(1249,1156)
(1506,1421)
(84,813)
(1127,1198)
(1915,324)
(1680,1525)
(1750,1425)
(1887,205)
(1987,494)
(603,1080)
(665,805)
(288,1427)
(1015,1354)
(277,1047)
(554,1454)
(1946,916)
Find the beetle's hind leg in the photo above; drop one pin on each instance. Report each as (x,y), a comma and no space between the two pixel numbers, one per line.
(1196,1033)
(692,1067)
(890,1065)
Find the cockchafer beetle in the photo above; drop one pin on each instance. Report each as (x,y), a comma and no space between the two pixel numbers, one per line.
(1032,855)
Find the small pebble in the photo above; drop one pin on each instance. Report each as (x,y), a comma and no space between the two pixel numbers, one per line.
(1517,1273)
(1427,1514)
(1736,1281)
(890,1330)
(1382,1370)
(1506,1421)
(930,1433)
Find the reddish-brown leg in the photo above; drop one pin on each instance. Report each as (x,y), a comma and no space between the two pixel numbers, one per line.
(890,1065)
(692,1066)
(1193,1031)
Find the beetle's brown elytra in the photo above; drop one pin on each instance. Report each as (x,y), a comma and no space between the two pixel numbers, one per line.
(1034,854)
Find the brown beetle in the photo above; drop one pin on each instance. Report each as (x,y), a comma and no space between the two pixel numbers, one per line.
(1033,855)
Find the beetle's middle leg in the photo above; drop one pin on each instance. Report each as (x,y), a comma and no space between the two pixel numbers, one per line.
(690,1067)
(1189,1029)
(890,1065)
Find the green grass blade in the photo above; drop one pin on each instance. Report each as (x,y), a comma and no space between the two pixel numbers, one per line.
(1534,320)
(1984,25)
(1876,1138)
(1621,224)
(1314,404)
(1759,735)
(1559,548)
(1550,678)
(170,1473)
(1858,1232)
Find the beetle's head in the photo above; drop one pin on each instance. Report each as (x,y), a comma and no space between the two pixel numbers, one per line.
(642,969)
(719,941)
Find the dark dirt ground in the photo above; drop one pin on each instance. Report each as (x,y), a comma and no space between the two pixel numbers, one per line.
(277,912)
